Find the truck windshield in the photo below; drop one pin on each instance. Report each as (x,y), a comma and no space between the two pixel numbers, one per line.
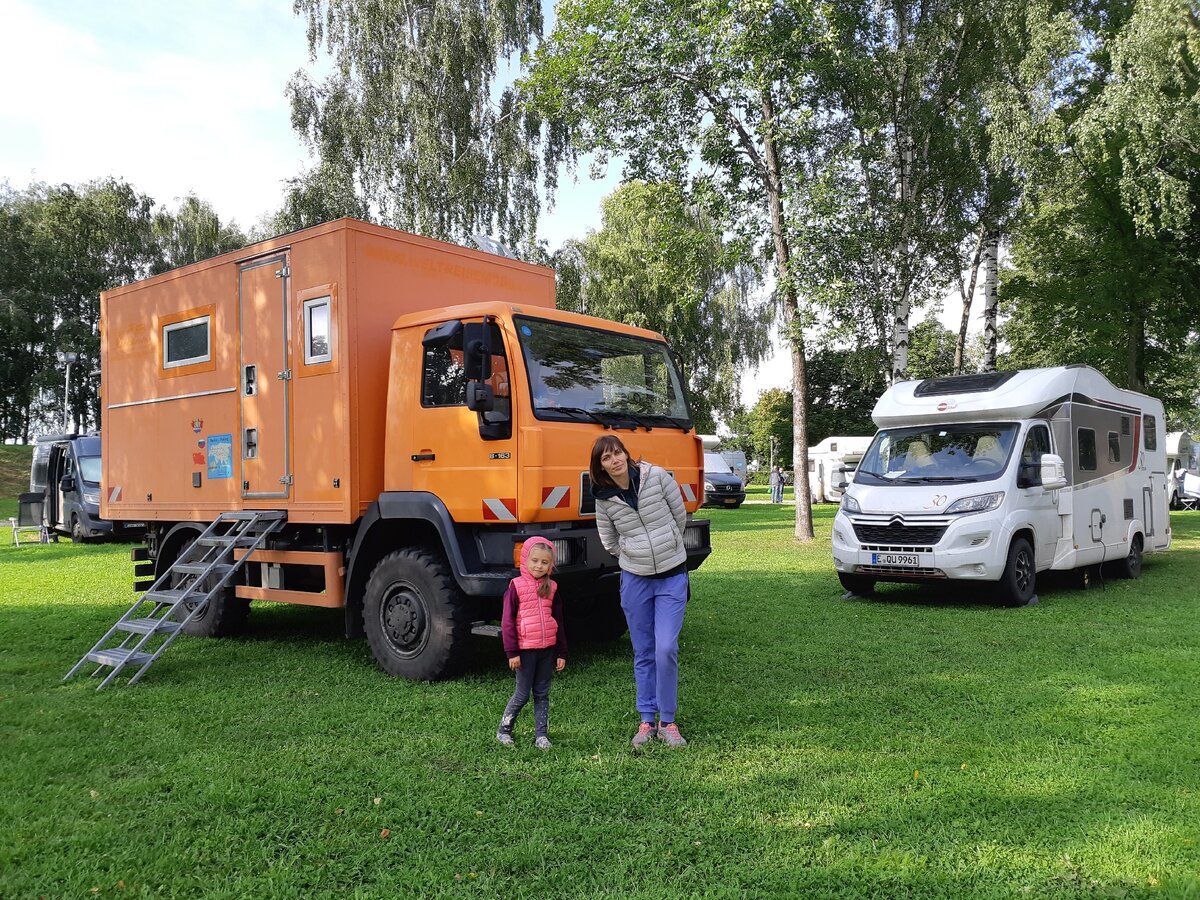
(929,454)
(585,374)
(89,469)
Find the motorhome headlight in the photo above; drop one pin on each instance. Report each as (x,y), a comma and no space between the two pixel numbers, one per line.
(708,486)
(980,503)
(849,504)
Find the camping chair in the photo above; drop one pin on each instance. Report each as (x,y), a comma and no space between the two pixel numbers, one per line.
(29,518)
(1189,491)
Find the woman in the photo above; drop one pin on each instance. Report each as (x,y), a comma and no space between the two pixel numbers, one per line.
(641,520)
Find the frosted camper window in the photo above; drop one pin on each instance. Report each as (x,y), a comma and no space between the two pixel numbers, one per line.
(1150,427)
(1114,447)
(185,343)
(1087,450)
(316,331)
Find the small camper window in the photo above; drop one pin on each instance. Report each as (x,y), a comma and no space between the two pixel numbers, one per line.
(185,343)
(316,331)
(1114,447)
(1087,450)
(1150,427)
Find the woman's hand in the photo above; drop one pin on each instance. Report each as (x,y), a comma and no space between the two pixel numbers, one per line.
(514,663)
(560,665)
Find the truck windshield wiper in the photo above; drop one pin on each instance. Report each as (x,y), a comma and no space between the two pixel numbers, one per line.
(577,412)
(664,419)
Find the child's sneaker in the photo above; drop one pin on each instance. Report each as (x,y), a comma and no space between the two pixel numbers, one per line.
(644,733)
(505,738)
(543,743)
(669,734)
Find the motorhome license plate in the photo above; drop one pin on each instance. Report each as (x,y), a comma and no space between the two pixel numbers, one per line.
(895,559)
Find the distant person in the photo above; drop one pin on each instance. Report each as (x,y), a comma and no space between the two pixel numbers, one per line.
(776,484)
(535,640)
(641,519)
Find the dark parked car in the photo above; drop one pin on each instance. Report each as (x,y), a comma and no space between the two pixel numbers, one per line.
(721,486)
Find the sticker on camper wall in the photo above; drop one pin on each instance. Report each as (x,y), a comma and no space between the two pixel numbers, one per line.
(220,456)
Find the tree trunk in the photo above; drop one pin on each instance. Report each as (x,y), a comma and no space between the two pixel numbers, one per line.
(1135,350)
(774,186)
(968,295)
(991,271)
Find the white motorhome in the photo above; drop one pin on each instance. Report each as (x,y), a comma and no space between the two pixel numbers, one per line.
(1182,454)
(831,466)
(996,477)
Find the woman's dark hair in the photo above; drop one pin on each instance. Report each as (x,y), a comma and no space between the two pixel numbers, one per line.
(604,444)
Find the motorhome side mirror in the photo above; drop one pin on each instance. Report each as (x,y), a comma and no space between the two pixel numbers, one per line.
(67,484)
(1054,473)
(477,352)
(480,396)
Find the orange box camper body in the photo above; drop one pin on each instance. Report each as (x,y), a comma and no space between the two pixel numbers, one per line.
(296,375)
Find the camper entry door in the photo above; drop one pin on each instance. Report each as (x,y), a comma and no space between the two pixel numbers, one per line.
(265,376)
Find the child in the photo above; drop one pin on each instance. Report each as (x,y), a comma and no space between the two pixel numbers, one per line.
(534,638)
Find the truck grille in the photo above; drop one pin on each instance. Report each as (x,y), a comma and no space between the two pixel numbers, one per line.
(897,533)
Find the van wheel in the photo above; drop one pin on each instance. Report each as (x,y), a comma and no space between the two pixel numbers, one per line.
(863,585)
(1017,583)
(225,614)
(1131,565)
(415,616)
(78,533)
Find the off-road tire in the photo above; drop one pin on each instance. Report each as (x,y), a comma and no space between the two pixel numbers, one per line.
(1019,581)
(862,585)
(225,615)
(596,615)
(1131,566)
(415,617)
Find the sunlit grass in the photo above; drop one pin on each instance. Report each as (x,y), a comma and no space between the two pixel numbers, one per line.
(911,745)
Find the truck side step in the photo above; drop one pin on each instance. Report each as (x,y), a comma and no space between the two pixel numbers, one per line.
(180,594)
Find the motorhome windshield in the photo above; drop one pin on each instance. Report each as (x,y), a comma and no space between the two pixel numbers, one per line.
(89,469)
(937,454)
(585,374)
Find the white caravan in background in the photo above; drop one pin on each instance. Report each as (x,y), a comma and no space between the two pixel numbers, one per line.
(1182,454)
(995,477)
(831,466)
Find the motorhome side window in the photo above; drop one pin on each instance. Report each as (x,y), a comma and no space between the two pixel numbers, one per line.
(1150,428)
(316,331)
(444,381)
(1087,450)
(185,343)
(1114,447)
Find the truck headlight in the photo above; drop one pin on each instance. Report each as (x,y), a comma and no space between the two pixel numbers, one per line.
(980,503)
(849,504)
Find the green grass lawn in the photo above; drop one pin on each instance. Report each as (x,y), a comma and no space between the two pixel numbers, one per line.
(910,745)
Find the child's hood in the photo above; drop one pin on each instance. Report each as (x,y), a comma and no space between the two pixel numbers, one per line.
(529,544)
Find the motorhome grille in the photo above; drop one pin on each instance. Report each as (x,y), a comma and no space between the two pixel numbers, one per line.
(961,384)
(903,571)
(909,535)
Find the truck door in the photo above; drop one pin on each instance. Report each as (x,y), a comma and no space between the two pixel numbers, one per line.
(265,375)
(473,475)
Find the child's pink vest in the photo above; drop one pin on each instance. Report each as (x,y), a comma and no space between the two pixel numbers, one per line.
(536,628)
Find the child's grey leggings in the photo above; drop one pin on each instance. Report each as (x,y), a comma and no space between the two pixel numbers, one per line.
(535,675)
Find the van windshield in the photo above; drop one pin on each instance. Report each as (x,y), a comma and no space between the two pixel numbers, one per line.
(585,374)
(929,454)
(714,462)
(89,469)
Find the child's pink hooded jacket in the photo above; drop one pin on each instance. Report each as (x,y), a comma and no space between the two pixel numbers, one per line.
(530,622)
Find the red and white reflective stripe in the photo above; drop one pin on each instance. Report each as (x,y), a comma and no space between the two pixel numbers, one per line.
(556,497)
(115,494)
(497,510)
(689,493)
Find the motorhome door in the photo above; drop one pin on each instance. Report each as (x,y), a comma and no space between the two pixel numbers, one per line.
(265,376)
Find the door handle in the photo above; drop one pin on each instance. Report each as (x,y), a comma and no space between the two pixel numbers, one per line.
(422,457)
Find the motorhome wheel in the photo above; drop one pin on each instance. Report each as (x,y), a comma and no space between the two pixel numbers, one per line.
(1131,565)
(415,616)
(863,585)
(1017,583)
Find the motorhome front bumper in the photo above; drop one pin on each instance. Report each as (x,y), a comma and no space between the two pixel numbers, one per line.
(904,547)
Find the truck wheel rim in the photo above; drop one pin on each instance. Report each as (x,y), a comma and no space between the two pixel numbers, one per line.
(404,620)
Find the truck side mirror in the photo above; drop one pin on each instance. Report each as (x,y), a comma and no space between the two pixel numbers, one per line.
(67,484)
(1054,473)
(480,396)
(477,353)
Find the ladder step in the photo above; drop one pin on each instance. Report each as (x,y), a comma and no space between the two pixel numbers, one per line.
(201,567)
(169,597)
(485,629)
(149,626)
(225,540)
(117,655)
(263,515)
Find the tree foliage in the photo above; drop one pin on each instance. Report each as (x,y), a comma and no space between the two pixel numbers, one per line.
(191,233)
(660,263)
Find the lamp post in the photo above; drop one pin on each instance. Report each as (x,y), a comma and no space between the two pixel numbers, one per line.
(66,358)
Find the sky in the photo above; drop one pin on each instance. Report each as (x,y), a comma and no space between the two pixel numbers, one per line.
(180,98)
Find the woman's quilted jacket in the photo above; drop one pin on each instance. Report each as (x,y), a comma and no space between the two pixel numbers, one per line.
(647,540)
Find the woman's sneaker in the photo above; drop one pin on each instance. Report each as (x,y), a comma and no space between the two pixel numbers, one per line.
(543,743)
(669,734)
(644,734)
(505,738)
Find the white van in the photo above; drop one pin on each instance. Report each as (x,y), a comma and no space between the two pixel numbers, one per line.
(996,477)
(831,465)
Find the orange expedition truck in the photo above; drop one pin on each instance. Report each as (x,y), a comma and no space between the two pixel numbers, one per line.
(396,414)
